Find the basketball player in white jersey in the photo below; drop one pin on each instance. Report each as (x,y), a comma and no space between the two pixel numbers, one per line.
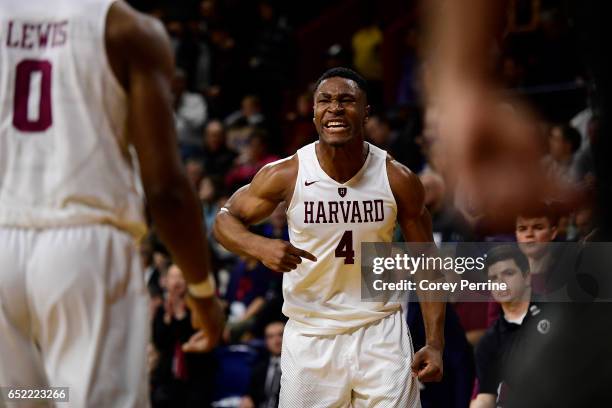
(340,191)
(81,82)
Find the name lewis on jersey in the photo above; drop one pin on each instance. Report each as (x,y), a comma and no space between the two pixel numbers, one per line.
(336,212)
(40,35)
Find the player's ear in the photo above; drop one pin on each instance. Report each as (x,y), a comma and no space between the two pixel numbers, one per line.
(368,110)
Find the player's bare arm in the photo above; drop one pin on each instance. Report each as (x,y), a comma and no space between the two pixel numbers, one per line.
(415,223)
(141,58)
(253,203)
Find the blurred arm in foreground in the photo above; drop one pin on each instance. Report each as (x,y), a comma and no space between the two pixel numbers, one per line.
(490,141)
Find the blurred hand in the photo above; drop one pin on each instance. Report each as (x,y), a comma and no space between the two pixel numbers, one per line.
(427,364)
(198,343)
(281,256)
(207,315)
(493,154)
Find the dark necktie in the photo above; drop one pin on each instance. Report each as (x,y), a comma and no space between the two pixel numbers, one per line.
(273,387)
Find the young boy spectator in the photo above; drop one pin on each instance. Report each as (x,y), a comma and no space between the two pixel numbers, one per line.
(535,232)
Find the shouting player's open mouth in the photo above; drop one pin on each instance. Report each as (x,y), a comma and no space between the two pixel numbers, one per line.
(336,126)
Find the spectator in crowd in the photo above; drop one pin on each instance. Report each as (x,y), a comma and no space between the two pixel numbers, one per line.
(552,264)
(155,261)
(367,42)
(367,58)
(275,227)
(264,387)
(512,72)
(245,297)
(242,123)
(449,221)
(256,156)
(298,129)
(523,16)
(226,89)
(379,132)
(507,265)
(151,270)
(195,171)
(337,56)
(549,262)
(190,113)
(210,188)
(250,113)
(183,376)
(564,141)
(584,166)
(584,223)
(534,232)
(218,158)
(270,54)
(175,31)
(407,92)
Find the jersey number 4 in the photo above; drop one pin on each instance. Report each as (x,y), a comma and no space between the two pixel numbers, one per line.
(32,101)
(345,248)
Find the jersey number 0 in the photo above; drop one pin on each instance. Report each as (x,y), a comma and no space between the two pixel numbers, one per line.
(32,84)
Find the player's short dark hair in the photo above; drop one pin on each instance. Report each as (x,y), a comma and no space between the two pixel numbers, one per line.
(346,73)
(505,252)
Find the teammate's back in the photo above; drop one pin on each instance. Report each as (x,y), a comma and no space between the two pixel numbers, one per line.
(73,75)
(64,158)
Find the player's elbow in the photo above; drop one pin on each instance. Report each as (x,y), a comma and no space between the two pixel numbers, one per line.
(220,225)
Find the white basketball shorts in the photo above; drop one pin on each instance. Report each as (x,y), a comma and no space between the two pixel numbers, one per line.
(73,313)
(366,367)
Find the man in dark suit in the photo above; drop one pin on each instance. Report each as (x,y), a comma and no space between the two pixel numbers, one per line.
(265,380)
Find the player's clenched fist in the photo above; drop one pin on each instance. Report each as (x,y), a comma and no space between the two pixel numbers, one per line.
(427,364)
(281,256)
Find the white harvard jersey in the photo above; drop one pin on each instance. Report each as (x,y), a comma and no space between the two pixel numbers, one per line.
(64,158)
(331,220)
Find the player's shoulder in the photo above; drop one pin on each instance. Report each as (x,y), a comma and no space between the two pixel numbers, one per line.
(125,23)
(274,181)
(135,35)
(285,169)
(401,178)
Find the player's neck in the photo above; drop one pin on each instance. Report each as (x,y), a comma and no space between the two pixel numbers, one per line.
(341,163)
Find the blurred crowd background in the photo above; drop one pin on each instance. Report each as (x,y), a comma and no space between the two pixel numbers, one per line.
(243,98)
